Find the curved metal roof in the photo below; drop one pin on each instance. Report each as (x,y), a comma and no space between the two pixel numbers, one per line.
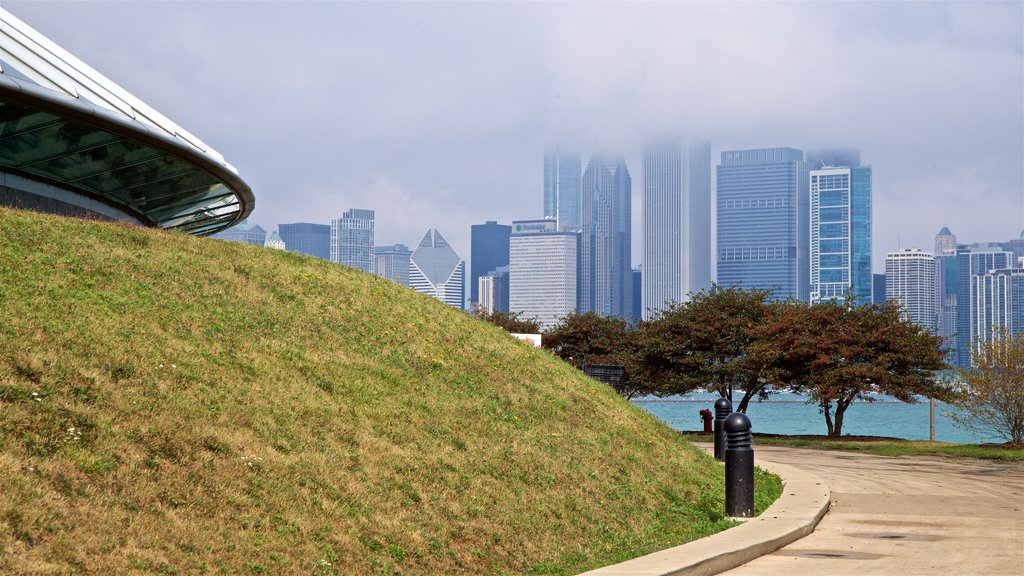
(66,124)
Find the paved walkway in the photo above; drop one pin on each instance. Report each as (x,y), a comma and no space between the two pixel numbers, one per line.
(905,517)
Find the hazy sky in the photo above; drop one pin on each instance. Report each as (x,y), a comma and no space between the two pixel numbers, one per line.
(437,114)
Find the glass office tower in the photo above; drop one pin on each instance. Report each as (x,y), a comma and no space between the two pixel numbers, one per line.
(352,239)
(840,211)
(306,238)
(606,271)
(973,260)
(488,251)
(562,188)
(763,221)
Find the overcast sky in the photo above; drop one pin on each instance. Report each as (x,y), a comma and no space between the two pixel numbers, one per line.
(437,114)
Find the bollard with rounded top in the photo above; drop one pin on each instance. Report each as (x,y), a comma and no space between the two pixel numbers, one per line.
(722,409)
(739,466)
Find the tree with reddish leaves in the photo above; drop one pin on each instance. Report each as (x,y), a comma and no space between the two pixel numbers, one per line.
(510,321)
(838,352)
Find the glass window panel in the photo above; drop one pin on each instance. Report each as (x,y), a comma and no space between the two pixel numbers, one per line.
(833,214)
(837,230)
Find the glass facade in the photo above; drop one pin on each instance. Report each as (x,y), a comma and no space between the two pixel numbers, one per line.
(436,270)
(763,221)
(352,239)
(306,238)
(973,260)
(488,251)
(606,280)
(392,262)
(562,190)
(840,234)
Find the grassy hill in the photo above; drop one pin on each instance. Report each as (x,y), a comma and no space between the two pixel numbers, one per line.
(183,405)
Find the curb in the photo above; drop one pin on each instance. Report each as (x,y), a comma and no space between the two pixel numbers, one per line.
(804,501)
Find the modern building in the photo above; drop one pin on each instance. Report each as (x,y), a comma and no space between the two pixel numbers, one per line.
(606,282)
(306,238)
(638,293)
(488,251)
(1016,247)
(997,304)
(973,260)
(494,291)
(437,271)
(676,222)
(945,242)
(945,292)
(245,233)
(75,143)
(542,271)
(562,201)
(841,233)
(763,221)
(352,239)
(878,289)
(392,262)
(274,241)
(910,281)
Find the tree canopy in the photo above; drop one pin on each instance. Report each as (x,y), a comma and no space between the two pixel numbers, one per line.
(993,397)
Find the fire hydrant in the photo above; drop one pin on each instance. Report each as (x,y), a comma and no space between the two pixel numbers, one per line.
(705,415)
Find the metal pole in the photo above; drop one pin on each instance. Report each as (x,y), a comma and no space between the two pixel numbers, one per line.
(931,419)
(739,467)
(722,409)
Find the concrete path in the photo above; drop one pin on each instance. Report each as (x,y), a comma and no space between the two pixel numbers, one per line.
(905,517)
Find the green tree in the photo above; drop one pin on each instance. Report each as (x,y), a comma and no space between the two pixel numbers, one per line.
(704,343)
(591,338)
(510,321)
(993,397)
(839,352)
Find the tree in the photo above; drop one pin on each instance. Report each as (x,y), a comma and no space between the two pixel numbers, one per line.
(510,321)
(839,352)
(704,343)
(591,338)
(993,397)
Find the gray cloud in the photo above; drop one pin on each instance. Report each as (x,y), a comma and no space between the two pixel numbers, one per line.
(436,115)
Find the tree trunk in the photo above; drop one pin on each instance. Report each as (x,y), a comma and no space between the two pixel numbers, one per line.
(826,408)
(747,395)
(841,405)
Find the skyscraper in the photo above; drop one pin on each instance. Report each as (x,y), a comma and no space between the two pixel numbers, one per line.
(763,220)
(972,260)
(493,288)
(392,262)
(676,222)
(945,242)
(910,280)
(542,271)
(352,239)
(306,238)
(606,283)
(841,233)
(488,251)
(945,292)
(562,188)
(436,270)
(997,304)
(1016,247)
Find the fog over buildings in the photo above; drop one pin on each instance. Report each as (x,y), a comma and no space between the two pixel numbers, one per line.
(438,115)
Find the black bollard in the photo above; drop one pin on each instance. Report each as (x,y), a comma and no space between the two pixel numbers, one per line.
(739,466)
(722,409)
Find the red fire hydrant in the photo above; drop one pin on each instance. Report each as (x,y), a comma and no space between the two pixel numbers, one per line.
(705,414)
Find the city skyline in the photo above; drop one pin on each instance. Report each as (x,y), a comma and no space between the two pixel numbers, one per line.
(377,135)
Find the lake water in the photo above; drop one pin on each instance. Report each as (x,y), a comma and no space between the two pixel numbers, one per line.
(789,413)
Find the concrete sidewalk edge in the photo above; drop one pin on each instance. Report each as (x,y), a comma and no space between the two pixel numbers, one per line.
(804,501)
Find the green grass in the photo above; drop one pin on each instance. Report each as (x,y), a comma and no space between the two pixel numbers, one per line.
(179,405)
(883,446)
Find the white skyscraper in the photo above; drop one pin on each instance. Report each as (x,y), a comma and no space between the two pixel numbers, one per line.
(542,271)
(676,222)
(436,270)
(910,280)
(352,239)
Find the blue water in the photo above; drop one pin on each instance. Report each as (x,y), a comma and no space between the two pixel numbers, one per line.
(789,413)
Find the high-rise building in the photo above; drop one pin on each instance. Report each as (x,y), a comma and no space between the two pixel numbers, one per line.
(306,238)
(392,262)
(274,241)
(436,270)
(763,221)
(910,281)
(493,289)
(676,222)
(606,281)
(542,271)
(245,233)
(997,304)
(638,292)
(841,233)
(878,289)
(488,251)
(973,260)
(352,239)
(945,242)
(562,188)
(1016,247)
